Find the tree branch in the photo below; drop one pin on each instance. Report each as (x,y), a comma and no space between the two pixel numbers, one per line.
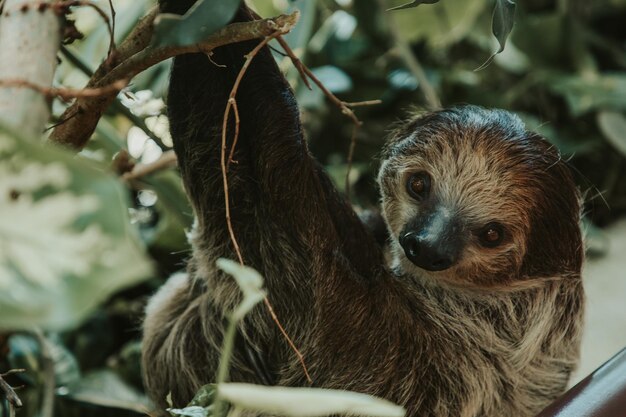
(77,131)
(117,105)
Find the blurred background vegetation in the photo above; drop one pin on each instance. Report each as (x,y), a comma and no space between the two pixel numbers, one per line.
(563,71)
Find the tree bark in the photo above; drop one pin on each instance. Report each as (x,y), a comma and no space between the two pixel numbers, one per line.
(30,36)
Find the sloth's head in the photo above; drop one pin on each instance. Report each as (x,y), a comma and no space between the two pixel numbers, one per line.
(471,197)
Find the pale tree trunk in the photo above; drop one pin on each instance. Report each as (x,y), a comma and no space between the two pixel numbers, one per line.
(30,36)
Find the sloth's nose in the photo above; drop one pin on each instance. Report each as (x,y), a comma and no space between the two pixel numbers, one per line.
(425,253)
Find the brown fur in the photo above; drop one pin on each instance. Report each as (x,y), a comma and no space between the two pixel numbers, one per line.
(495,335)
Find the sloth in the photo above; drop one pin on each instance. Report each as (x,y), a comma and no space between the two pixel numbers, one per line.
(473,307)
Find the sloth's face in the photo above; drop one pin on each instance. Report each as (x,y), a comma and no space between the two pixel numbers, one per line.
(462,193)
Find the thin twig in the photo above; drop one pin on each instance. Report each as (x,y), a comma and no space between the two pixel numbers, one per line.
(345,107)
(112,43)
(232,103)
(61,121)
(8,391)
(229,105)
(362,103)
(67,93)
(303,69)
(166,160)
(289,341)
(110,26)
(13,371)
(232,148)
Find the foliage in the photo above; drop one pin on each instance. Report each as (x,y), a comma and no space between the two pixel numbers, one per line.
(203,19)
(563,70)
(66,239)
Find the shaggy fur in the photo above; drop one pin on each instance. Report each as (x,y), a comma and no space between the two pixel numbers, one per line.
(497,334)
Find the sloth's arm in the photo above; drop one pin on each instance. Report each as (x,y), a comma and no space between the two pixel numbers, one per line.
(281,203)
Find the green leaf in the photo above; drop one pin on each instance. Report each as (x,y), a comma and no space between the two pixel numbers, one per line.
(66,239)
(412,4)
(591,91)
(202,19)
(613,127)
(250,282)
(501,25)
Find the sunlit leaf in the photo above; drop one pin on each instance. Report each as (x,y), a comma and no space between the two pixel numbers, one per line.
(413,3)
(250,282)
(501,25)
(66,239)
(613,126)
(202,19)
(306,402)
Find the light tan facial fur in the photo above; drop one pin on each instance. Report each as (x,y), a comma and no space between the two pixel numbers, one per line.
(478,177)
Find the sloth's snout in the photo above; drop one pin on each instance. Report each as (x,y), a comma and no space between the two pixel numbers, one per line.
(425,253)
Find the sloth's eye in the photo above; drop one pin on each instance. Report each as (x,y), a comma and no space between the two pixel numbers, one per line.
(491,235)
(418,185)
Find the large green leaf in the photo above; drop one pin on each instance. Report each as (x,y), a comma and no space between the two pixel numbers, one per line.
(65,236)
(203,18)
